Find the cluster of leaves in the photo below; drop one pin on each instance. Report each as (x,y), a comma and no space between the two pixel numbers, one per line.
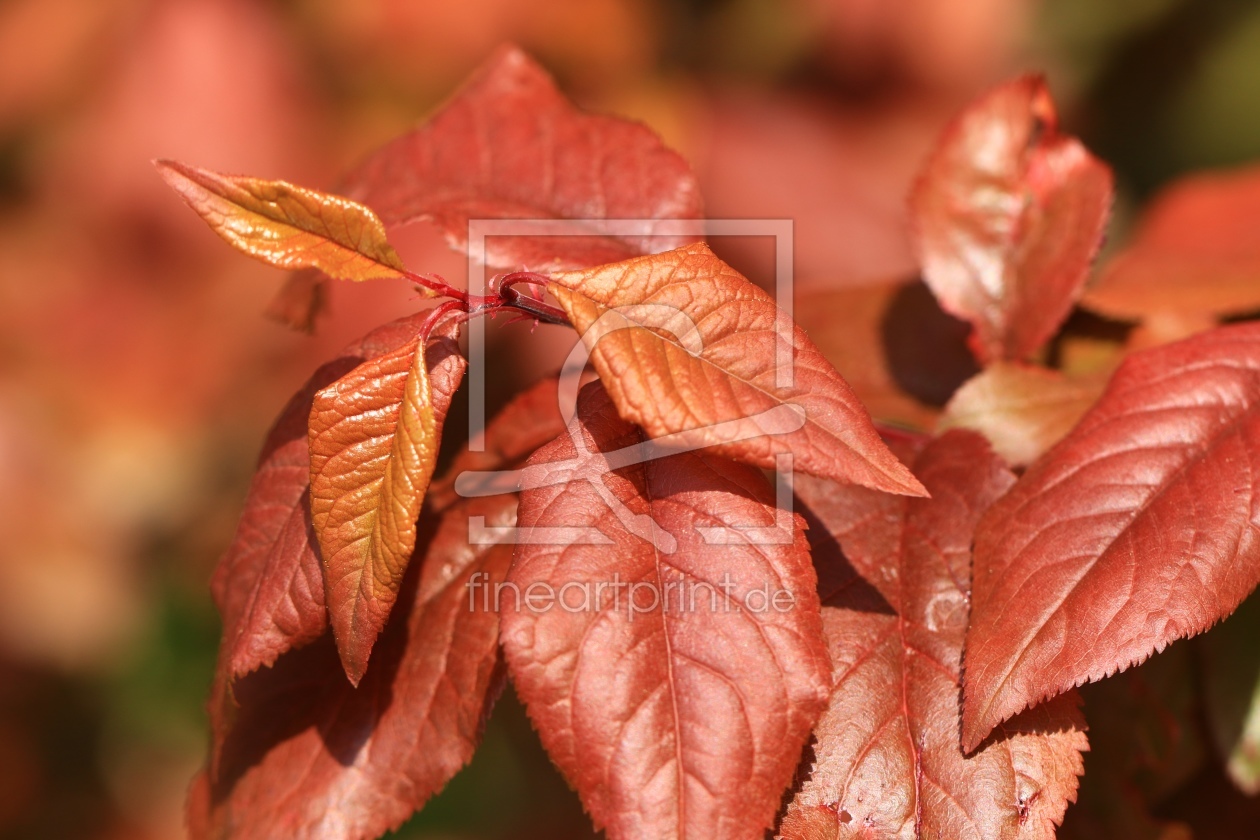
(943,607)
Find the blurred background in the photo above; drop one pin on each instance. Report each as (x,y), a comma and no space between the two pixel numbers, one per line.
(138,375)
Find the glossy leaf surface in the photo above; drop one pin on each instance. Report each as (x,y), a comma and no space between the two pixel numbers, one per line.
(286,225)
(886,757)
(311,757)
(664,681)
(1008,215)
(1139,528)
(684,343)
(373,438)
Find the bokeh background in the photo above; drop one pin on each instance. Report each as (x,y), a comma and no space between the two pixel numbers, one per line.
(137,374)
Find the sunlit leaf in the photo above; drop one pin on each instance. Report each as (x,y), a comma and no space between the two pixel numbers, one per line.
(1138,528)
(886,758)
(1008,216)
(667,683)
(373,438)
(286,225)
(684,343)
(1022,410)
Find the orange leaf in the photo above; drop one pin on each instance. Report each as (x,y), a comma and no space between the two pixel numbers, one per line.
(684,343)
(374,438)
(288,226)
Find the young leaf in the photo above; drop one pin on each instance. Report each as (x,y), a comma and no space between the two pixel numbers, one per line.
(373,439)
(684,343)
(1137,529)
(1008,216)
(1022,410)
(269,586)
(312,758)
(1194,251)
(666,687)
(287,226)
(510,146)
(1231,681)
(886,756)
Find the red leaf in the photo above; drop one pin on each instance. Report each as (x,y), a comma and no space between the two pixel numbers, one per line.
(1137,529)
(685,344)
(886,756)
(373,439)
(1195,250)
(1008,216)
(510,146)
(310,756)
(670,721)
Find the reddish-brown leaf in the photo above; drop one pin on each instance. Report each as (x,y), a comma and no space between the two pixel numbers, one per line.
(1137,529)
(1023,410)
(887,762)
(373,438)
(312,758)
(510,146)
(1008,216)
(1195,251)
(684,714)
(286,225)
(685,344)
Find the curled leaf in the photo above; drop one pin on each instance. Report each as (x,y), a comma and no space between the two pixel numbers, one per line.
(287,226)
(373,438)
(1137,529)
(1008,216)
(687,346)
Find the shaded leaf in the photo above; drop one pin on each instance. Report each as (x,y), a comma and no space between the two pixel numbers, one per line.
(1231,683)
(1022,410)
(287,226)
(1194,251)
(1144,744)
(529,421)
(853,328)
(300,300)
(310,756)
(887,763)
(683,343)
(510,146)
(373,440)
(673,696)
(1008,216)
(1137,529)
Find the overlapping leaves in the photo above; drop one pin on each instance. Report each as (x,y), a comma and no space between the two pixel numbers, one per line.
(886,761)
